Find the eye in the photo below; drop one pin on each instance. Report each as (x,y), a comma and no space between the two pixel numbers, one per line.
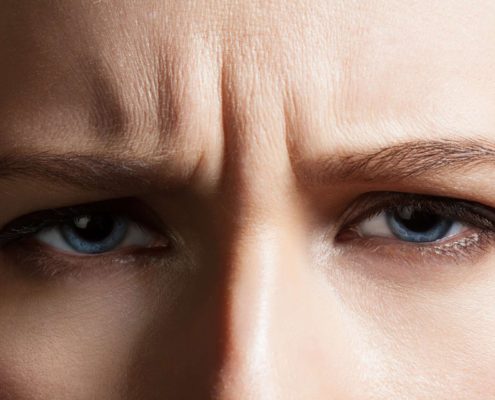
(89,229)
(95,234)
(410,225)
(415,218)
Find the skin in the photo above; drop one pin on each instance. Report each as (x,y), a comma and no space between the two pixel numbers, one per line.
(226,101)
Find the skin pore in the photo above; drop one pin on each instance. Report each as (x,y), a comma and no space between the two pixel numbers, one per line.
(246,135)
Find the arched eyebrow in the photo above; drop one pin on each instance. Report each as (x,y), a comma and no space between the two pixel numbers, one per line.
(412,159)
(388,164)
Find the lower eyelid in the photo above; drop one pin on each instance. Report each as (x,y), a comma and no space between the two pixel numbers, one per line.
(390,240)
(37,260)
(460,241)
(409,263)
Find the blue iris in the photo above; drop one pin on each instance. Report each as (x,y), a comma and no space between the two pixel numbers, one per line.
(417,226)
(93,234)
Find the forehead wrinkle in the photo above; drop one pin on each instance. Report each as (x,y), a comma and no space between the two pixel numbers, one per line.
(60,86)
(107,116)
(173,120)
(137,96)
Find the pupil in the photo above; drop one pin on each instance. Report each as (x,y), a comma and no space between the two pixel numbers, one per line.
(94,228)
(419,221)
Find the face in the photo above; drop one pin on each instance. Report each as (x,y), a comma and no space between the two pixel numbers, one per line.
(247,200)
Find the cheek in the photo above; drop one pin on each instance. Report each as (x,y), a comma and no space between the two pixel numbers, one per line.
(69,339)
(421,329)
(427,339)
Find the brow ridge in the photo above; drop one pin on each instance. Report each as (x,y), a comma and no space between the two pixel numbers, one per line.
(387,164)
(397,162)
(88,171)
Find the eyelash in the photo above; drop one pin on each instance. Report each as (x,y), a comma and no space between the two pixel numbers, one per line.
(31,224)
(35,261)
(473,214)
(470,213)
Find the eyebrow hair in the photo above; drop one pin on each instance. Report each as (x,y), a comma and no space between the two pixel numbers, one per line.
(387,164)
(87,171)
(397,162)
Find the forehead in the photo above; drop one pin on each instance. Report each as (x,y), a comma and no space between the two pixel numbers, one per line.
(309,68)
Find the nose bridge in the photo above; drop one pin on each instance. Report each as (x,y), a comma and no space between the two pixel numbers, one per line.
(262,258)
(257,266)
(261,250)
(275,320)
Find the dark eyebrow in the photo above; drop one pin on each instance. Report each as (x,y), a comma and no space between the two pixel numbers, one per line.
(90,172)
(398,162)
(117,175)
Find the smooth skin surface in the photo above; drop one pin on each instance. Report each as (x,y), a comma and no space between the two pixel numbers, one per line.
(235,122)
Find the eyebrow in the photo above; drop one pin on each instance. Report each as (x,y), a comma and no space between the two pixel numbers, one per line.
(411,159)
(388,164)
(88,171)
